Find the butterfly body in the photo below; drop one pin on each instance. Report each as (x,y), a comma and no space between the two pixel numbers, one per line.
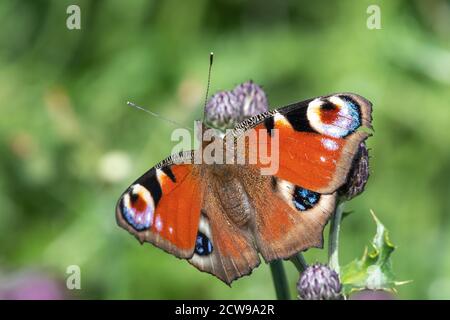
(223,216)
(231,194)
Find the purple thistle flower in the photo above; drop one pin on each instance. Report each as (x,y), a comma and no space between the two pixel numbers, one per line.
(225,109)
(222,110)
(252,99)
(319,282)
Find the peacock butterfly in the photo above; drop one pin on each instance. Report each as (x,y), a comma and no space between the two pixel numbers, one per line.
(221,216)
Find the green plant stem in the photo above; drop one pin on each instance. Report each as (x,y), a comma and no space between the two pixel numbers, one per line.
(299,261)
(279,280)
(333,240)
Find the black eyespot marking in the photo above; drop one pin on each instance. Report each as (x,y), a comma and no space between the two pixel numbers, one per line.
(304,199)
(150,181)
(298,119)
(133,197)
(348,99)
(168,171)
(273,183)
(203,246)
(269,124)
(328,106)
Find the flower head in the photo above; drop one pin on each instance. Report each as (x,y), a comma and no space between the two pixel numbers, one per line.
(225,109)
(252,99)
(319,282)
(222,110)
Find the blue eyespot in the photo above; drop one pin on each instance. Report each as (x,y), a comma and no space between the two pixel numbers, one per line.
(304,199)
(337,116)
(138,220)
(354,115)
(203,246)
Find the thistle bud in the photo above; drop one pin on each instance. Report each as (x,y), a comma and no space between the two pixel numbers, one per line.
(252,99)
(225,109)
(358,175)
(319,282)
(222,110)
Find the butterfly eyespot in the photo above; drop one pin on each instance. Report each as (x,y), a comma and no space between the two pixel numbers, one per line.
(328,106)
(137,208)
(203,246)
(338,116)
(304,199)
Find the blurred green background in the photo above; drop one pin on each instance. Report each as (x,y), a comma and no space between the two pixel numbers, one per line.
(69,144)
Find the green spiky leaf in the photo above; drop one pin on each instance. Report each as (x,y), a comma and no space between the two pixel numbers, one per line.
(374,270)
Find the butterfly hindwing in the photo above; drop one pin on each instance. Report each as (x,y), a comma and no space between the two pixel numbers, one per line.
(223,249)
(288,218)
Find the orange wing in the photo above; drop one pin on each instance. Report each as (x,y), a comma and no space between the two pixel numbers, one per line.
(163,207)
(317,140)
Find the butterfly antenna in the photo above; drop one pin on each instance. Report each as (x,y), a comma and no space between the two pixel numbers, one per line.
(211,59)
(131,104)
